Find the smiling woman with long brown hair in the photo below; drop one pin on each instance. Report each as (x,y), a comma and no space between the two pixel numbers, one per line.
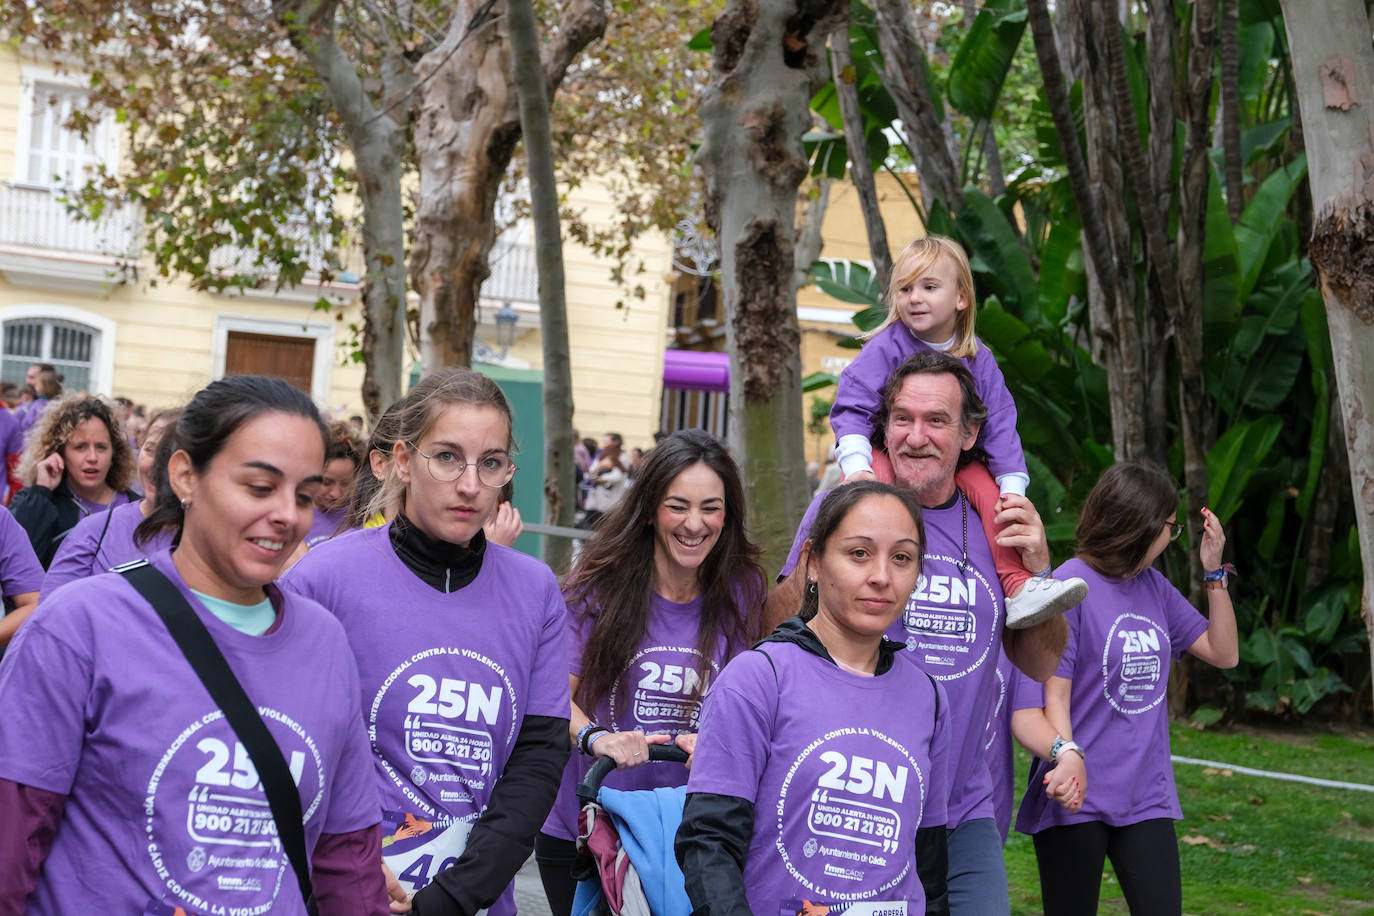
(665,593)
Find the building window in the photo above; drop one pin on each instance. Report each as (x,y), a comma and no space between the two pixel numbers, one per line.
(57,155)
(71,347)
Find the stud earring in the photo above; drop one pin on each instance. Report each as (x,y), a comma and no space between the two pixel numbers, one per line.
(185,503)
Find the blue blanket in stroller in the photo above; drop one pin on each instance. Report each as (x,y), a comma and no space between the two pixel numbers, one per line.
(647,822)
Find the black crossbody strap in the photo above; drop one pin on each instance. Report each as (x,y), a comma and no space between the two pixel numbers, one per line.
(214,672)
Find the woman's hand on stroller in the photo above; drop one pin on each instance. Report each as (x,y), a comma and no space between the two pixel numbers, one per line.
(688,742)
(627,749)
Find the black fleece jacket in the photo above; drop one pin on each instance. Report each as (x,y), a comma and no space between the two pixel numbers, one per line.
(713,839)
(503,836)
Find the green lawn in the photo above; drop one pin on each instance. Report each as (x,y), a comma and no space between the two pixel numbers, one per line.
(1256,845)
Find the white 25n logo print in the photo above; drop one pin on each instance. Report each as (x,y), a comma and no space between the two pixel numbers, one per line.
(675,679)
(456,698)
(1138,641)
(866,777)
(216,772)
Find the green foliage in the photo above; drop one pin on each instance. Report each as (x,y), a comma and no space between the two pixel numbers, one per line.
(1267,362)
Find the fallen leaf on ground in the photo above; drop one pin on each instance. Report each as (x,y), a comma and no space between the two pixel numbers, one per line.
(1213,771)
(1200,840)
(1218,817)
(1304,879)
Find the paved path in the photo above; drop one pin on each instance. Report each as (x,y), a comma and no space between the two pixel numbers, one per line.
(529,892)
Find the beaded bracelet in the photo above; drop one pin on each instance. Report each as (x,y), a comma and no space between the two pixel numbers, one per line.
(591,739)
(586,736)
(581,735)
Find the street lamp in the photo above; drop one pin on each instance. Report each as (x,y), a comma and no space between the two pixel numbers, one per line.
(506,319)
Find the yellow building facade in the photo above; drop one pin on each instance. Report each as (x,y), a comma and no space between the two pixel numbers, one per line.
(66,299)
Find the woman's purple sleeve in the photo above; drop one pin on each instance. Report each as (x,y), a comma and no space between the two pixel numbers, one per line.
(346,872)
(28,826)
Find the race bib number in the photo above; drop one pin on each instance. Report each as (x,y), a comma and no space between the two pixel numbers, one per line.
(416,849)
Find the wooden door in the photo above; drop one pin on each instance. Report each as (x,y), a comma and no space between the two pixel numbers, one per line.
(289,358)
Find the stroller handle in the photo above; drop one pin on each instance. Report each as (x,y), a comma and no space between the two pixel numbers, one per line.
(591,785)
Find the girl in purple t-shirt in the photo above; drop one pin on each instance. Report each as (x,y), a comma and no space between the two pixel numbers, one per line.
(123,788)
(931,307)
(819,778)
(663,596)
(459,644)
(1109,698)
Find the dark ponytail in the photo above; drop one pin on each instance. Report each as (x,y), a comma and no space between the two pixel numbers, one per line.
(217,412)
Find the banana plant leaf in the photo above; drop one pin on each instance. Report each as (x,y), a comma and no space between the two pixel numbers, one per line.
(980,66)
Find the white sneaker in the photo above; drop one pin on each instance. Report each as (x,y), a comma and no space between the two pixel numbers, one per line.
(1043,599)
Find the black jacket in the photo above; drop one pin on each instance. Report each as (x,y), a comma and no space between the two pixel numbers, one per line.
(48,516)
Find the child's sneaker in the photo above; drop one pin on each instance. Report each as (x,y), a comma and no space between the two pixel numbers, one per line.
(1042,599)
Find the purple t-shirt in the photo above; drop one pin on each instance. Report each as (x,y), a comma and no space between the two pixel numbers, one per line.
(325,526)
(858,402)
(658,694)
(25,416)
(93,547)
(1121,641)
(164,808)
(446,680)
(20,571)
(998,746)
(842,769)
(952,628)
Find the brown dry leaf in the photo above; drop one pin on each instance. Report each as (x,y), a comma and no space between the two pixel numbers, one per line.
(1256,799)
(1218,817)
(1304,879)
(1200,840)
(1213,771)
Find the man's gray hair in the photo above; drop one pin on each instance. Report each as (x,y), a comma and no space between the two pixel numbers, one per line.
(932,362)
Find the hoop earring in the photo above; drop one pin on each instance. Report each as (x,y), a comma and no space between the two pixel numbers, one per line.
(185,503)
(811,589)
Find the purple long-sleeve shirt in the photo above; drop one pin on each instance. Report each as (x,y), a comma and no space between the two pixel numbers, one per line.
(858,400)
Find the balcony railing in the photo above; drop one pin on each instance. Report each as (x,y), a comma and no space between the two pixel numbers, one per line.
(514,277)
(32,216)
(36,217)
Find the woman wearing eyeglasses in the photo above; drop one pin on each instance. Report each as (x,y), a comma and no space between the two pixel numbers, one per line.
(1108,701)
(459,644)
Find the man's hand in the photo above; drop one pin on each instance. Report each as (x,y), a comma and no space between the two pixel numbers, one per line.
(1022,529)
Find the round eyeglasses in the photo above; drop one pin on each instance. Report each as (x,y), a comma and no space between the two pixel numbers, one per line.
(446,466)
(1175,529)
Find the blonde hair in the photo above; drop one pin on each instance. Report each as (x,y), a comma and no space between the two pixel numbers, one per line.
(50,434)
(915,259)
